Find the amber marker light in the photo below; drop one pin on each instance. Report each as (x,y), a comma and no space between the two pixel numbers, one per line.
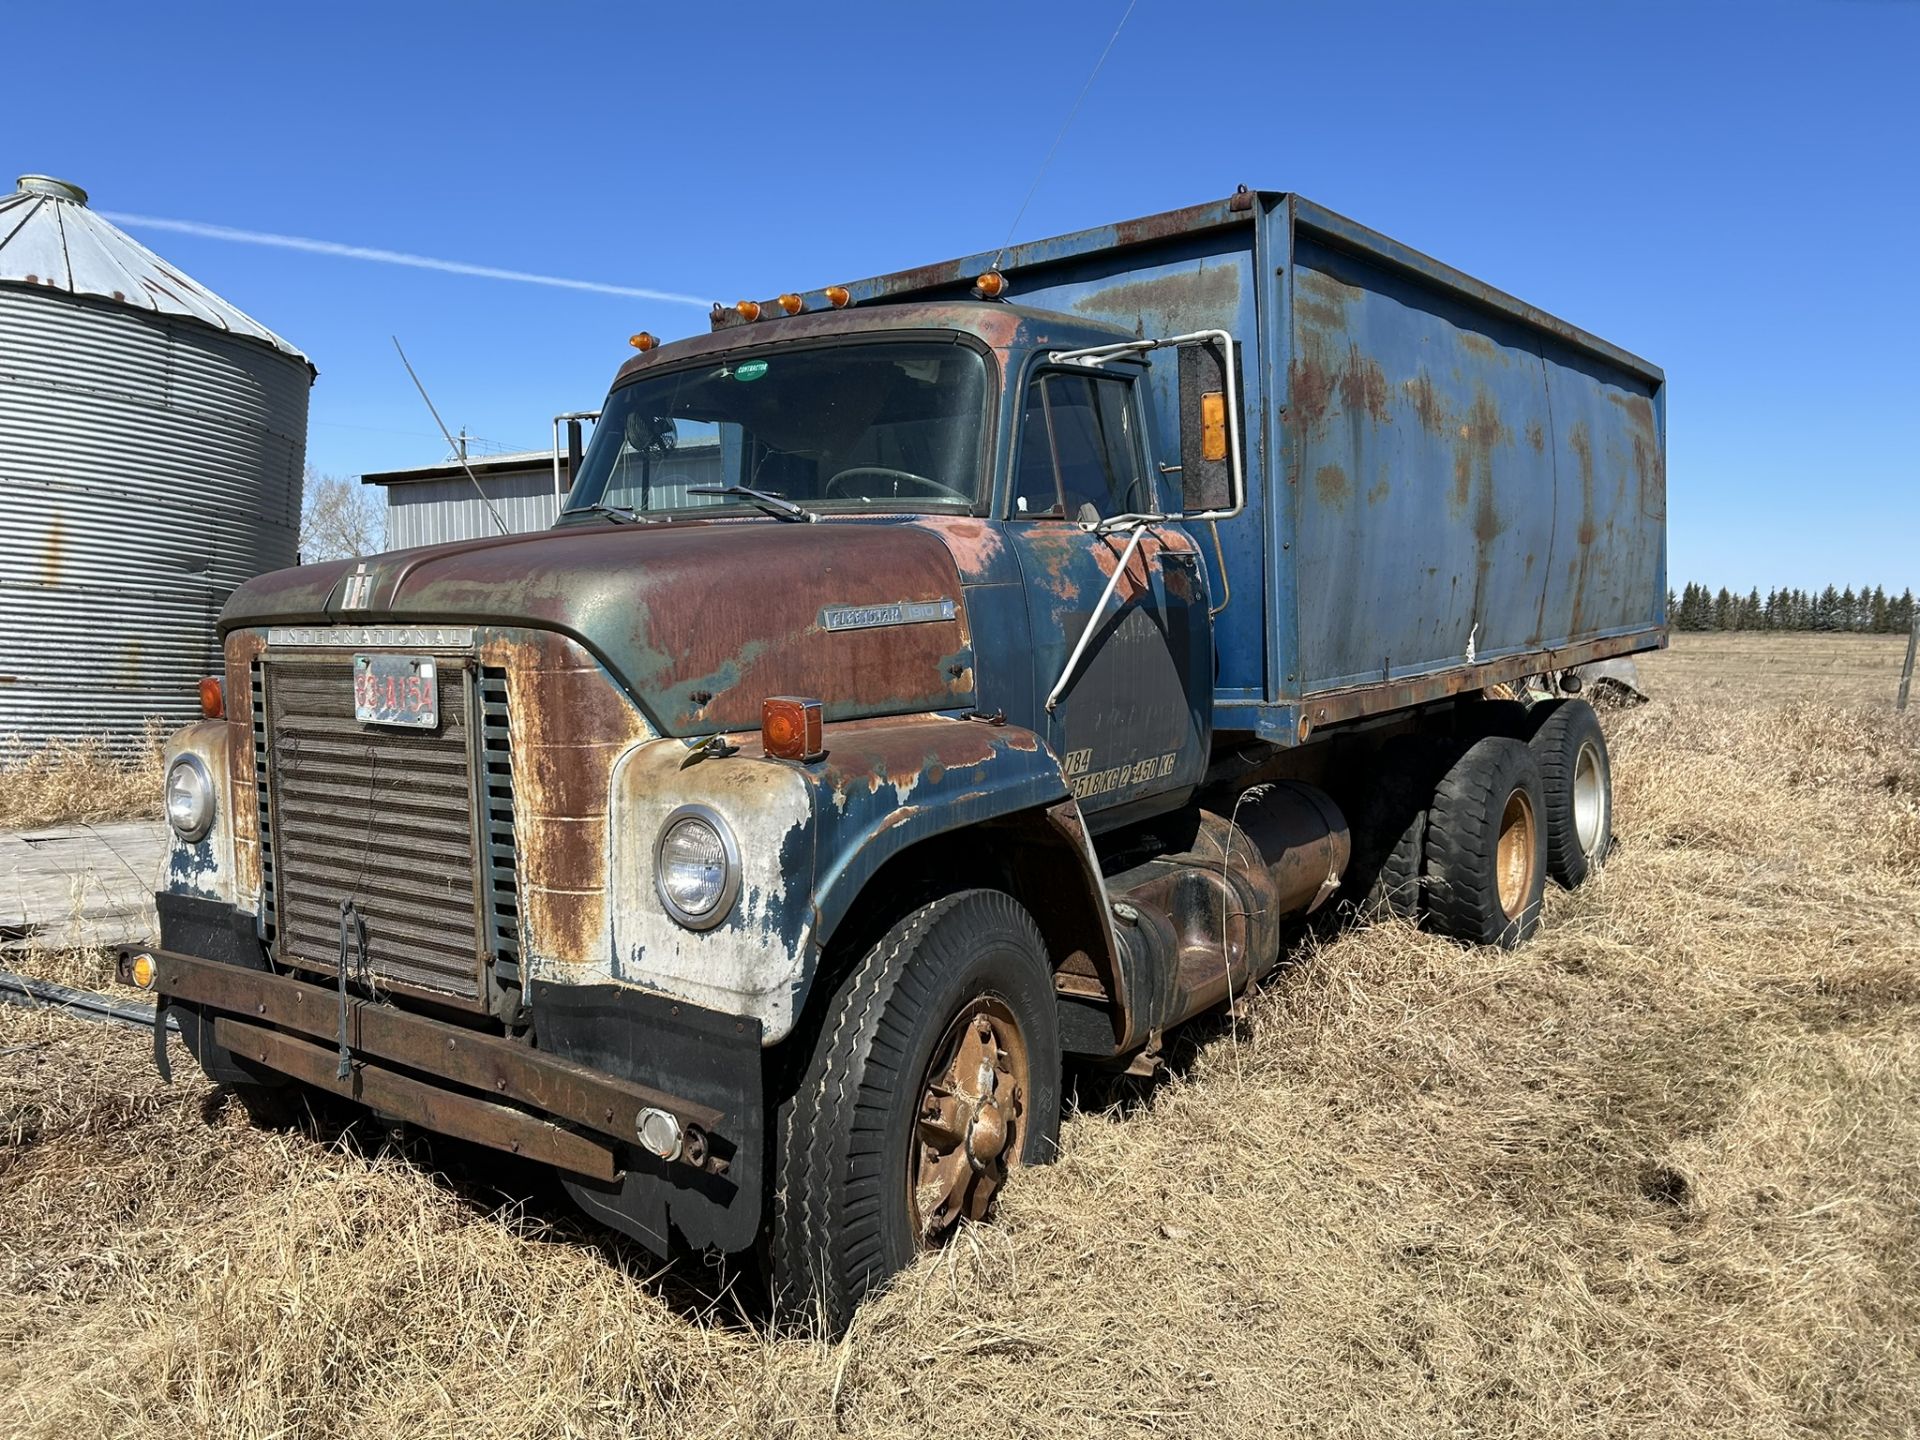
(213,698)
(839,297)
(791,303)
(748,310)
(142,969)
(790,728)
(990,286)
(644,342)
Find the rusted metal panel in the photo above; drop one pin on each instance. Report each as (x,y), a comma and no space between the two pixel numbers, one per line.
(1431,462)
(1335,706)
(381,816)
(503,1068)
(203,867)
(445,1112)
(697,621)
(1465,487)
(569,724)
(887,784)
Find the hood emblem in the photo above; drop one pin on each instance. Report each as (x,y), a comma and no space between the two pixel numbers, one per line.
(359,587)
(901,612)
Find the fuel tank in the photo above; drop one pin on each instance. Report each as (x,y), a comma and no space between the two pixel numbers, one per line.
(1202,923)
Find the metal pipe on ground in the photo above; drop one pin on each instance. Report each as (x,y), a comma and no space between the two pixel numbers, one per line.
(35,994)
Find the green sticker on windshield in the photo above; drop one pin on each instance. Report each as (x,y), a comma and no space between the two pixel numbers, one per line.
(751,370)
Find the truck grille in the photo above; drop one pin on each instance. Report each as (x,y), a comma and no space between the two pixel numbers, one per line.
(382,815)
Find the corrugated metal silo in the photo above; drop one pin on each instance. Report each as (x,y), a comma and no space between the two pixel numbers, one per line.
(152,439)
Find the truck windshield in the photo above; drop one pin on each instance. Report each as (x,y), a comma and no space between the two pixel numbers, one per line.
(851,427)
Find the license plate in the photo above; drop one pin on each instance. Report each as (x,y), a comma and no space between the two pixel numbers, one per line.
(395,690)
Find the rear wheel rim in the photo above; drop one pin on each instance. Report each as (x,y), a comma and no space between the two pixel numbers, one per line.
(1516,855)
(970,1125)
(1589,798)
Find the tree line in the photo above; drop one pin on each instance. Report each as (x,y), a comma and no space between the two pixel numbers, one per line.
(1863,611)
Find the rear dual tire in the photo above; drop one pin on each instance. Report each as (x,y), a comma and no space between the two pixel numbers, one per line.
(1486,846)
(1577,783)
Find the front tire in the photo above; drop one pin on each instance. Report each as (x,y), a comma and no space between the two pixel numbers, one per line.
(936,1070)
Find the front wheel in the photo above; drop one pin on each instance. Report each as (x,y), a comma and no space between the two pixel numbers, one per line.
(935,1073)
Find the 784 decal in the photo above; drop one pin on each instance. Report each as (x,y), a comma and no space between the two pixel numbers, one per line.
(1083,780)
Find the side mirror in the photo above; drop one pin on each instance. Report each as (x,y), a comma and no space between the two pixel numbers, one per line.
(1210,475)
(574,450)
(1213,482)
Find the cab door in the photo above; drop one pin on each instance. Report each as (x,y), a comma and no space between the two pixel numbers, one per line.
(1132,724)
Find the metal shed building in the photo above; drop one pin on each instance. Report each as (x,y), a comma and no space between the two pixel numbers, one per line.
(152,440)
(432,504)
(437,503)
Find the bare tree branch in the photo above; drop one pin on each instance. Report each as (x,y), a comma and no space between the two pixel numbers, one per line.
(339,519)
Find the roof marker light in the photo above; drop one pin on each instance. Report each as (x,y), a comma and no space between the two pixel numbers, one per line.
(990,286)
(643,342)
(839,297)
(791,303)
(748,310)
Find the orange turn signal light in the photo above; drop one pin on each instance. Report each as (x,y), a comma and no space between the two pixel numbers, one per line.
(142,970)
(990,286)
(790,728)
(839,297)
(213,698)
(748,310)
(643,342)
(791,303)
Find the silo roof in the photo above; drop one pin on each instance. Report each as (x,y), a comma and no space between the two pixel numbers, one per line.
(51,240)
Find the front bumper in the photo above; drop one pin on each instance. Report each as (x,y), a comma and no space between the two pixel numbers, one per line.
(447,1078)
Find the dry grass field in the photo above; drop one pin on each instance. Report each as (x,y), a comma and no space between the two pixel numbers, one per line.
(69,781)
(1658,1173)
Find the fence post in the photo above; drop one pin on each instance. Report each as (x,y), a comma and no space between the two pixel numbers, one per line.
(1906,670)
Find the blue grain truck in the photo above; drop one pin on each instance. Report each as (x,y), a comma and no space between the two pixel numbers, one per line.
(930,680)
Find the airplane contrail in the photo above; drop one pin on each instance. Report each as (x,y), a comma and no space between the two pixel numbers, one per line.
(392,257)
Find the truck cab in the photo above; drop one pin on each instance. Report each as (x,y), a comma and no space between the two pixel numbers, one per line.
(915,690)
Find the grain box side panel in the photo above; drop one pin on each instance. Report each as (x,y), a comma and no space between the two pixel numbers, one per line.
(1435,484)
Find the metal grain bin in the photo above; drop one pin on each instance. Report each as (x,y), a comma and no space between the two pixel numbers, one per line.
(152,440)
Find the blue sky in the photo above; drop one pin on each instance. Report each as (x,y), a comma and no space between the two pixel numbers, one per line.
(1728,190)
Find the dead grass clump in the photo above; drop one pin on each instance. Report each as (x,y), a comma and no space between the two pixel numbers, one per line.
(1651,1175)
(67,781)
(83,967)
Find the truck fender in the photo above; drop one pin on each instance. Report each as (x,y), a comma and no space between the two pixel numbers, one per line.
(812,837)
(889,785)
(203,867)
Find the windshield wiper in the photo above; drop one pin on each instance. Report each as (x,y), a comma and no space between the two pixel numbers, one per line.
(778,505)
(619,514)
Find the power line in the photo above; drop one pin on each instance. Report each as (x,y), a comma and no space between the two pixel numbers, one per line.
(1021,213)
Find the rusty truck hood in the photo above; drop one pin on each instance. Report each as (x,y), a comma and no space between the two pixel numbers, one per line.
(698,621)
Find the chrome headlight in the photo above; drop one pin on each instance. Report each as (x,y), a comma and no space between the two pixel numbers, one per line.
(189,798)
(696,867)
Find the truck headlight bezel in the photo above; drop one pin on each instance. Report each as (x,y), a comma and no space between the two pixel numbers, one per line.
(685,825)
(188,778)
